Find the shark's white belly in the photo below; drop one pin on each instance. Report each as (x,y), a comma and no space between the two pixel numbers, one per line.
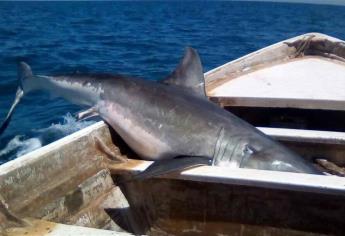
(139,138)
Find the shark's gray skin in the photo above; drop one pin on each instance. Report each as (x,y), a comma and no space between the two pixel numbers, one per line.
(172,118)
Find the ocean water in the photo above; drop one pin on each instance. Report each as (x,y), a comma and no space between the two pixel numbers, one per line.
(144,39)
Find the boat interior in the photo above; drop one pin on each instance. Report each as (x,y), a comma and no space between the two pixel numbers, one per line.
(74,182)
(305,72)
(75,185)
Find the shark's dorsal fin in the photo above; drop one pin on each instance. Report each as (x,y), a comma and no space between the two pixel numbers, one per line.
(188,73)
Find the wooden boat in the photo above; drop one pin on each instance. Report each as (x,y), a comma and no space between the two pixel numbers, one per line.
(69,187)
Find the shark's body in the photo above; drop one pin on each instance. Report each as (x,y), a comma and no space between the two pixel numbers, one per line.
(162,121)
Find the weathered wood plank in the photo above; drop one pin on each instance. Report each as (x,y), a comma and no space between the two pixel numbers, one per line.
(41,228)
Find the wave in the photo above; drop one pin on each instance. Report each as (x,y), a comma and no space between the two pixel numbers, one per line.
(22,144)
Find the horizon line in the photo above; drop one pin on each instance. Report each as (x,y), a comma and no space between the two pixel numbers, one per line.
(309,2)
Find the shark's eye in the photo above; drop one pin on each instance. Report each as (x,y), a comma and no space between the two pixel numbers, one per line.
(248,150)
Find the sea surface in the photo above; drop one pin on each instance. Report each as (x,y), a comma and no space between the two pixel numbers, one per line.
(144,39)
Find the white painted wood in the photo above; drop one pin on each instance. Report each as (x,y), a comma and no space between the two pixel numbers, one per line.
(281,76)
(267,179)
(308,136)
(309,82)
(249,177)
(66,230)
(304,78)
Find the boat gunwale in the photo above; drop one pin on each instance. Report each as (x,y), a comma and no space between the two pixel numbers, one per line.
(49,148)
(299,182)
(267,48)
(247,177)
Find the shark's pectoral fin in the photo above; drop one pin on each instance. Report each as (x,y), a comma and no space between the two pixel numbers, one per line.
(163,167)
(188,74)
(83,115)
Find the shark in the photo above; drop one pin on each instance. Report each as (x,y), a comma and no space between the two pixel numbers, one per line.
(170,122)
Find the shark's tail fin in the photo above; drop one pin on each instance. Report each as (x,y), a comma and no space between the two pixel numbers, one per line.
(6,122)
(24,74)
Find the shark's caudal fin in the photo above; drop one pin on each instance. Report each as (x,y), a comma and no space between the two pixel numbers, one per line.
(24,73)
(5,123)
(189,74)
